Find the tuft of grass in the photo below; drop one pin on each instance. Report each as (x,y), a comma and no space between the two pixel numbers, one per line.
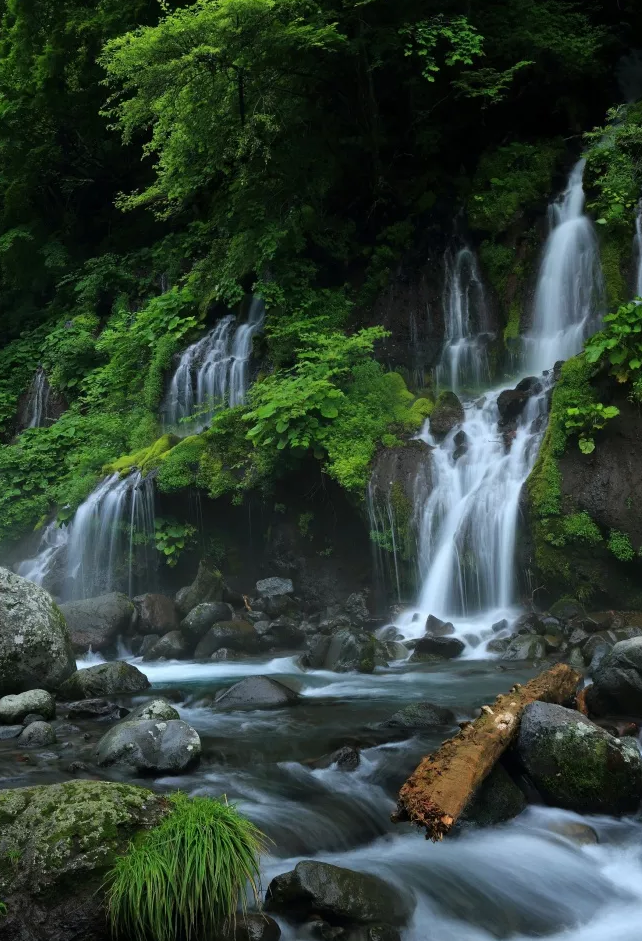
(186,877)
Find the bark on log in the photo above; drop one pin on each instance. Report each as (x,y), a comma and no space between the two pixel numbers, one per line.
(438,790)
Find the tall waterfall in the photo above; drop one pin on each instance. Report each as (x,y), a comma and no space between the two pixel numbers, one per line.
(467,520)
(464,358)
(638,252)
(38,399)
(213,371)
(569,293)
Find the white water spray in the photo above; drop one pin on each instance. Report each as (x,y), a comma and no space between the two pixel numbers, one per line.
(638,252)
(52,543)
(39,392)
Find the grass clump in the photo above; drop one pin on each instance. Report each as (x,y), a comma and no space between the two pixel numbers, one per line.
(186,877)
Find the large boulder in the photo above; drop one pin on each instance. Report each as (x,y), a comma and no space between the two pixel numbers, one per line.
(525,647)
(37,735)
(496,800)
(257,692)
(438,628)
(418,716)
(282,633)
(351,650)
(100,709)
(446,415)
(158,709)
(339,895)
(272,587)
(15,707)
(232,635)
(150,746)
(577,765)
(157,614)
(105,679)
(63,839)
(511,402)
(203,616)
(207,586)
(618,677)
(437,648)
(97,623)
(35,646)
(172,646)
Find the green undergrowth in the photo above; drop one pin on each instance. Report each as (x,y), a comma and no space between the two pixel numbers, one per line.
(187,877)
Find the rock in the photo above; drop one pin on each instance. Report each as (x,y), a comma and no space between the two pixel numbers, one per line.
(148,642)
(100,709)
(347,758)
(235,635)
(14,708)
(10,731)
(496,800)
(257,692)
(283,633)
(35,646)
(579,833)
(338,895)
(65,837)
(157,614)
(105,679)
(251,928)
(567,609)
(499,626)
(437,648)
(269,587)
(525,647)
(38,734)
(207,586)
(511,402)
(575,764)
(618,678)
(150,746)
(356,608)
(172,646)
(262,626)
(438,628)
(353,650)
(605,640)
(225,654)
(418,716)
(576,660)
(32,717)
(318,647)
(98,622)
(498,644)
(447,413)
(529,624)
(203,616)
(157,708)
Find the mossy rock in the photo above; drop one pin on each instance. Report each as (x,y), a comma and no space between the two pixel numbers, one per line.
(144,460)
(57,843)
(447,414)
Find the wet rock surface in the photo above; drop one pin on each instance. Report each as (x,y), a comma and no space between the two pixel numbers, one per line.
(257,692)
(14,708)
(167,746)
(104,679)
(97,623)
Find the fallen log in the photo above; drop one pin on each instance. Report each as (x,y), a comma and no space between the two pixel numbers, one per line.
(438,790)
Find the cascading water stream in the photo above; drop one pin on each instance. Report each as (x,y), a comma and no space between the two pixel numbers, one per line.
(52,543)
(38,400)
(464,359)
(638,252)
(212,371)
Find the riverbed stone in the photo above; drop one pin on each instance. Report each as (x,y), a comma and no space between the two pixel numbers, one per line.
(14,708)
(447,413)
(150,746)
(101,709)
(575,764)
(618,677)
(10,731)
(157,614)
(496,800)
(35,646)
(437,648)
(250,927)
(104,679)
(339,895)
(171,646)
(207,586)
(157,708)
(525,647)
(203,616)
(418,716)
(438,628)
(257,692)
(283,633)
(97,623)
(234,635)
(37,734)
(64,838)
(269,587)
(356,650)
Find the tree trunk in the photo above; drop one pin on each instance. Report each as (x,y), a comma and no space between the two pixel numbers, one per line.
(438,790)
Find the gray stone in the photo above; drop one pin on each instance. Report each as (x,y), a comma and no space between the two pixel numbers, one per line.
(207,586)
(203,616)
(105,679)
(97,623)
(226,654)
(14,708)
(339,895)
(157,708)
(257,692)
(499,626)
(418,716)
(347,758)
(356,607)
(32,717)
(95,709)
(567,609)
(438,628)
(496,800)
(148,643)
(9,731)
(354,650)
(37,734)
(618,677)
(35,646)
(577,765)
(250,928)
(317,652)
(525,647)
(150,746)
(447,413)
(498,644)
(283,633)
(268,587)
(529,624)
(172,646)
(157,614)
(234,635)
(437,648)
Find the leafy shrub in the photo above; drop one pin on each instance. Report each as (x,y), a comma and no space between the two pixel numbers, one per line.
(620,343)
(620,545)
(172,538)
(586,420)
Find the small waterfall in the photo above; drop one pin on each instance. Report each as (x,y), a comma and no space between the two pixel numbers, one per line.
(638,252)
(213,371)
(464,358)
(39,392)
(570,294)
(53,542)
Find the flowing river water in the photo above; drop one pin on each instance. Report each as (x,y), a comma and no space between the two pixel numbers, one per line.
(526,879)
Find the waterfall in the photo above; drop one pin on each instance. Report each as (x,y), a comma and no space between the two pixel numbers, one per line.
(38,400)
(212,372)
(569,294)
(467,519)
(53,541)
(464,359)
(638,251)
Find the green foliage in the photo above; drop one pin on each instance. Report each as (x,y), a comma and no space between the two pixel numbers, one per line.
(171,538)
(585,421)
(576,527)
(462,39)
(614,167)
(620,343)
(187,875)
(620,545)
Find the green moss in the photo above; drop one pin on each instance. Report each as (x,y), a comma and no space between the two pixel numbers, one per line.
(145,460)
(615,257)
(581,770)
(513,327)
(620,545)
(420,410)
(180,466)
